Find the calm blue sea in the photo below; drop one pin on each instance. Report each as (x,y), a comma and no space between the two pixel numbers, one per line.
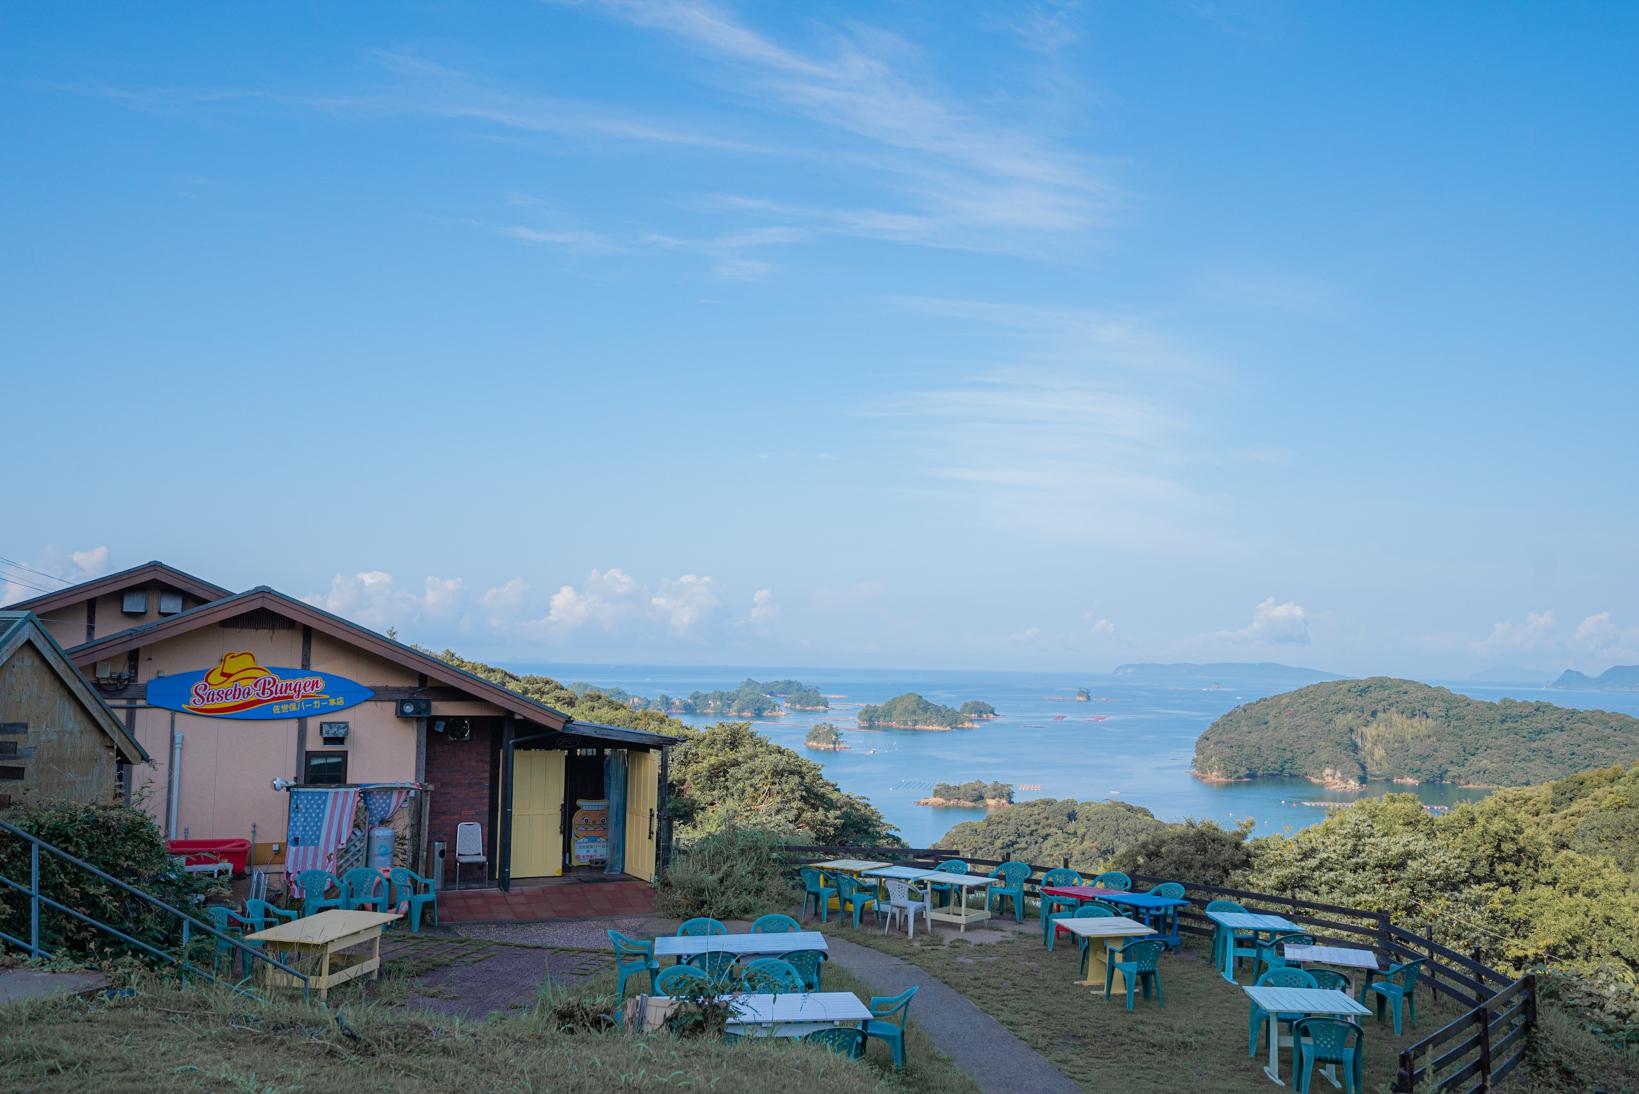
(1133,742)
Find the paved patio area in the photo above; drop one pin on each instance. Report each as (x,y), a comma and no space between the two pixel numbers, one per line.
(524,904)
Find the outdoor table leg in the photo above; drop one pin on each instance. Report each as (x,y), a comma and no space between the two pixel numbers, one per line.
(1273,1070)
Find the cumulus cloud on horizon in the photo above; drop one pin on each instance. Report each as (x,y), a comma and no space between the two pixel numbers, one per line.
(1279,624)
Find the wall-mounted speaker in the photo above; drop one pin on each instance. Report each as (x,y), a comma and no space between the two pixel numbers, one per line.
(414,708)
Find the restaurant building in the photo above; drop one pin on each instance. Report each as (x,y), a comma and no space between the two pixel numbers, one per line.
(238,698)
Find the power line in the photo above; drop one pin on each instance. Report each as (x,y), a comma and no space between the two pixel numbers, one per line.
(32,570)
(13,579)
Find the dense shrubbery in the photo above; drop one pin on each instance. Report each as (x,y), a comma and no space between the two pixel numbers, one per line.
(117,839)
(1048,831)
(730,774)
(732,873)
(1197,851)
(1384,729)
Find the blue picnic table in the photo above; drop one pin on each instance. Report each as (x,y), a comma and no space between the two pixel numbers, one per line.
(1256,922)
(1145,905)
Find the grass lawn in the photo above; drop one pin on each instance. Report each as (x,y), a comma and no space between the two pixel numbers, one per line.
(172,1038)
(1196,1042)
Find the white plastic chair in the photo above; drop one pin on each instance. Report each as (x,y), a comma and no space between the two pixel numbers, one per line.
(904,899)
(469,846)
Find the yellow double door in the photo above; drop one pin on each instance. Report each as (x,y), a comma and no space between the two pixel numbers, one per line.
(537,813)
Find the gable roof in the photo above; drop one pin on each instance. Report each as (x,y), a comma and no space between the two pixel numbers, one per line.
(263,597)
(18,628)
(111,583)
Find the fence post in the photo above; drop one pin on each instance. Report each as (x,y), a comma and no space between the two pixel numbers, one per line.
(1485,1049)
(1403,1082)
(34,897)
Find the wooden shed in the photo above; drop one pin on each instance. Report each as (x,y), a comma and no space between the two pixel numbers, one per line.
(58,738)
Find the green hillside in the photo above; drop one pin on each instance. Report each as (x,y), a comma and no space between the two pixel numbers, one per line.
(1348,731)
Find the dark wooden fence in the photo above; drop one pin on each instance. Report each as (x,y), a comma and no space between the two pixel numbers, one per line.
(1469,1055)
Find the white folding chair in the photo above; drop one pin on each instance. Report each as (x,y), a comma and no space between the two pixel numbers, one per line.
(903,898)
(469,847)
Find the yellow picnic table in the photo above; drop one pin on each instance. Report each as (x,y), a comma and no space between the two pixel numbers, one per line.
(317,941)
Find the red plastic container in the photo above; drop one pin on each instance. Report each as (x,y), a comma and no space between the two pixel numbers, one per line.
(234,852)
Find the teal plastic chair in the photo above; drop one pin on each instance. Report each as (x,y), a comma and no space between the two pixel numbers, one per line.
(683,982)
(1092,909)
(843,1040)
(1013,876)
(363,887)
(1330,978)
(1322,1040)
(856,897)
(1140,963)
(1051,904)
(771,976)
(1219,936)
(415,892)
(1257,1022)
(1172,890)
(702,926)
(945,892)
(774,923)
(633,957)
(261,915)
(887,1022)
(1396,988)
(1114,879)
(1269,950)
(718,966)
(315,885)
(809,965)
(815,889)
(230,923)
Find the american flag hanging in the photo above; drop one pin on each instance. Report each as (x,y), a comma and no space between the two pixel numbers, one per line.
(321,821)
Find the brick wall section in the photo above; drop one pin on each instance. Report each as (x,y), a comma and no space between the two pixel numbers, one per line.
(461,773)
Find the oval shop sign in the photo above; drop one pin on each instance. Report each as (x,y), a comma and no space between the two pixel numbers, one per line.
(238,687)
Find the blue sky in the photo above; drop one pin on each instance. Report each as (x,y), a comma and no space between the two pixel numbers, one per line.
(936,334)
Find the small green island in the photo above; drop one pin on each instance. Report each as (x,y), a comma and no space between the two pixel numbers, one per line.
(1343,733)
(752,699)
(824,737)
(970,795)
(911,711)
(1083,695)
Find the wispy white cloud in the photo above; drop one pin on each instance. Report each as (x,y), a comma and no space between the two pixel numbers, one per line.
(1598,637)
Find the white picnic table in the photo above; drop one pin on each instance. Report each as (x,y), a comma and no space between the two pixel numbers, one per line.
(1278,1001)
(683,947)
(796,1014)
(1246,921)
(908,873)
(1342,957)
(848,865)
(1098,933)
(957,911)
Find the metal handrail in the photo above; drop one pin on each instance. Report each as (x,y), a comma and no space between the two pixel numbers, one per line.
(189,923)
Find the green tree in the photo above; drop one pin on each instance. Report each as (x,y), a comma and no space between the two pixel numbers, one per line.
(1048,831)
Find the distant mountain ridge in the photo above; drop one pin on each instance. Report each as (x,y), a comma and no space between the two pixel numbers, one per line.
(1345,732)
(1223,670)
(1615,678)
